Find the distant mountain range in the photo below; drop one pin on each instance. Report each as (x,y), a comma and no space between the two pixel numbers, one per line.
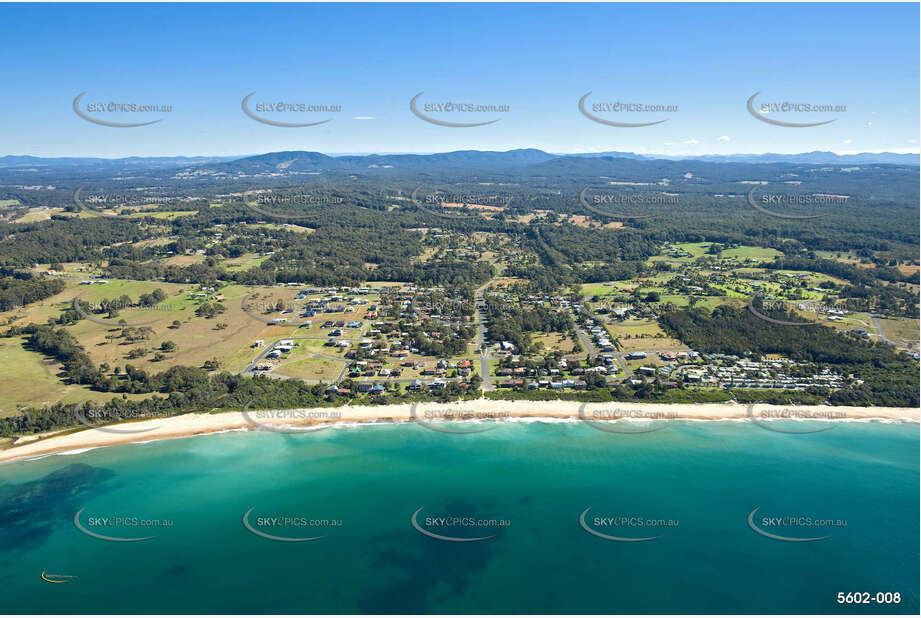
(816,157)
(26,162)
(305,162)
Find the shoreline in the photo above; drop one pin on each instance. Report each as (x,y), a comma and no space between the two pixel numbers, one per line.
(474,411)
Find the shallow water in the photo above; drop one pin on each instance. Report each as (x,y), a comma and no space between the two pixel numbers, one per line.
(706,477)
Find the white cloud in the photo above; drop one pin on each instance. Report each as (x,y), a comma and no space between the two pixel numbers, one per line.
(869,124)
(363,118)
(723,138)
(848,141)
(690,142)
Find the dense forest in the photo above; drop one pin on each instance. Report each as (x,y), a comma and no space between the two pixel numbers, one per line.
(888,378)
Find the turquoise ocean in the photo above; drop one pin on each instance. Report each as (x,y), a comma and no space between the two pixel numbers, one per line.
(690,485)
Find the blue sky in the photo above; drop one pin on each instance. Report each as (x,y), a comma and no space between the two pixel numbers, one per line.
(538,59)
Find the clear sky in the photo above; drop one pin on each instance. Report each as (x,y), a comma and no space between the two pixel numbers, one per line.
(538,59)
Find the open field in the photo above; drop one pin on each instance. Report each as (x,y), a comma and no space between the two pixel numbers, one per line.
(751,253)
(244,262)
(902,332)
(31,380)
(554,341)
(166,214)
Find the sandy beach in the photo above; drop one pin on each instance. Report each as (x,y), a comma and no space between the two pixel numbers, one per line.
(480,410)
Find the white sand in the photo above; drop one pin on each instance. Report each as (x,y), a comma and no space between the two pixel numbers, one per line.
(198,424)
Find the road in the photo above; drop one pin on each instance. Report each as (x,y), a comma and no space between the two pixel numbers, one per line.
(879,327)
(586,342)
(487,383)
(250,369)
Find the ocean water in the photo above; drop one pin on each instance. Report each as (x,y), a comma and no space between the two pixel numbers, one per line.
(523,485)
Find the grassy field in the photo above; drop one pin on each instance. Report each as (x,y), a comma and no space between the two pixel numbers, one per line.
(300,362)
(166,214)
(244,262)
(554,341)
(37,214)
(198,338)
(597,289)
(696,249)
(751,253)
(903,332)
(30,380)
